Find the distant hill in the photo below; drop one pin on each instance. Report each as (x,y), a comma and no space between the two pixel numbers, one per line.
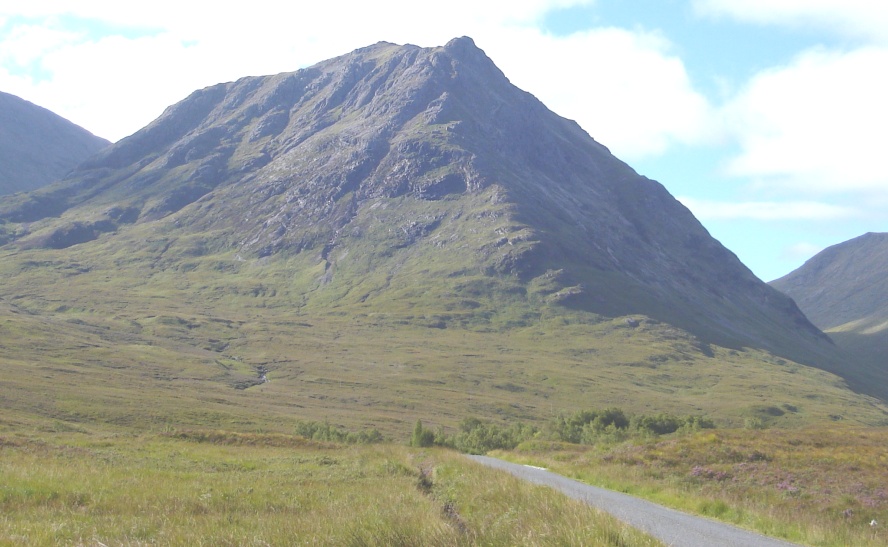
(844,290)
(396,232)
(37,146)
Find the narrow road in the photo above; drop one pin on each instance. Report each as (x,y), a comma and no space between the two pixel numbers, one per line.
(668,525)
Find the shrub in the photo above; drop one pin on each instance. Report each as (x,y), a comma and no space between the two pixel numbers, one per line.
(323,431)
(474,436)
(663,424)
(422,437)
(612,425)
(477,437)
(582,426)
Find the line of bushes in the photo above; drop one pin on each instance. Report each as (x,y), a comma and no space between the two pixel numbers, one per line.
(475,436)
(323,431)
(591,426)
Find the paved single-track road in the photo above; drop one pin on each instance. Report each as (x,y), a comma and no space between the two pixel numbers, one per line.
(669,526)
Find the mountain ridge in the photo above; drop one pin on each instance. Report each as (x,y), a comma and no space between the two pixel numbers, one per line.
(839,284)
(38,146)
(843,290)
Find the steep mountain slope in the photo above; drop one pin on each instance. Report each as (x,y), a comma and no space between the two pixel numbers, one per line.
(402,229)
(38,147)
(844,290)
(843,283)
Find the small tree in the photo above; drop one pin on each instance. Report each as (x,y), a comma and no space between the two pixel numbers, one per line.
(422,437)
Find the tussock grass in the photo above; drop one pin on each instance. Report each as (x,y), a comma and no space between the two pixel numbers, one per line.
(169,362)
(86,489)
(142,331)
(820,485)
(248,439)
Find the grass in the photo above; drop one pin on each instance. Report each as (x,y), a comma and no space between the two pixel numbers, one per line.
(129,344)
(820,485)
(194,488)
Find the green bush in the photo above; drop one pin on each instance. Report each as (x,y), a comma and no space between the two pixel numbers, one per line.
(582,426)
(323,431)
(612,425)
(474,436)
(663,424)
(477,437)
(422,437)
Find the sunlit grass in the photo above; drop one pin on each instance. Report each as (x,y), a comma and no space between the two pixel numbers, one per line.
(77,352)
(89,488)
(817,485)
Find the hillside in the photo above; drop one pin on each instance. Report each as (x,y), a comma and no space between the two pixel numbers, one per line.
(844,291)
(395,233)
(37,146)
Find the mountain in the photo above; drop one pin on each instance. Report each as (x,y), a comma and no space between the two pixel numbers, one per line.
(844,290)
(394,148)
(37,146)
(398,228)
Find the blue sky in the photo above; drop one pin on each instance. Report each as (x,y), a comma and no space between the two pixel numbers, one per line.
(765,117)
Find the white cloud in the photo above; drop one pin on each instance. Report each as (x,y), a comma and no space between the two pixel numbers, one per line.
(816,126)
(27,44)
(855,18)
(766,210)
(111,86)
(622,86)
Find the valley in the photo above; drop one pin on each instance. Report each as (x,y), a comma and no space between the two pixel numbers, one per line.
(392,237)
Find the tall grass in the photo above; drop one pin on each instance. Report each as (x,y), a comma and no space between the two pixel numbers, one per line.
(91,489)
(822,485)
(128,335)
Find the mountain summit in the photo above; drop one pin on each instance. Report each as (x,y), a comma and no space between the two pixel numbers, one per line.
(421,179)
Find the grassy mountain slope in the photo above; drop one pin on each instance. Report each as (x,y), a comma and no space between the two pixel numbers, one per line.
(38,147)
(89,342)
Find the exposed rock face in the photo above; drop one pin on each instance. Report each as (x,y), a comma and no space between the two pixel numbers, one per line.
(38,147)
(405,159)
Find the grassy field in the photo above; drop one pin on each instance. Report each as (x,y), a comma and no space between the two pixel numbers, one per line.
(80,342)
(187,488)
(819,485)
